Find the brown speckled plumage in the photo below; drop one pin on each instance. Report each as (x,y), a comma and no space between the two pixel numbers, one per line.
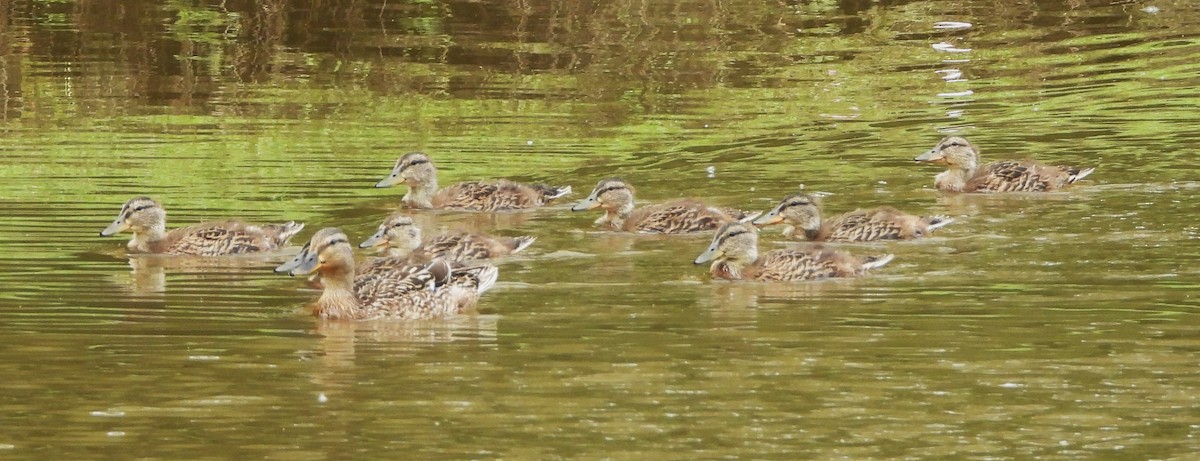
(147,220)
(802,212)
(733,254)
(963,173)
(390,288)
(615,197)
(402,238)
(417,171)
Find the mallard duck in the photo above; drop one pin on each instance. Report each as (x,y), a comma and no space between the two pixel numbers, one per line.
(417,171)
(389,288)
(734,256)
(385,263)
(883,223)
(148,221)
(401,237)
(963,173)
(615,197)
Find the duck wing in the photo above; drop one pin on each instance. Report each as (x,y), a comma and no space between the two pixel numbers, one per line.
(221,238)
(679,217)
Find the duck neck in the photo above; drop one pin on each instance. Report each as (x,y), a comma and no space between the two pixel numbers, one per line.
(420,194)
(789,231)
(145,239)
(405,242)
(338,301)
(397,252)
(611,219)
(955,178)
(734,268)
(616,217)
(625,210)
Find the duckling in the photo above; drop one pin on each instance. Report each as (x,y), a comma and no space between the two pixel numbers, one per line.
(883,223)
(401,237)
(417,170)
(147,220)
(964,175)
(615,196)
(391,289)
(734,256)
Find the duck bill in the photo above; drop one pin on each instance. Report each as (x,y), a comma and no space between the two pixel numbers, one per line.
(287,267)
(307,265)
(391,179)
(589,203)
(380,238)
(768,219)
(707,256)
(116,227)
(932,156)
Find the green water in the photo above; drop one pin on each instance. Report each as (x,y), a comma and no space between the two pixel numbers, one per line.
(1051,327)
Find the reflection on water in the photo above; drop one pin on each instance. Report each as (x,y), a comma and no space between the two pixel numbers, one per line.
(1050,326)
(148,273)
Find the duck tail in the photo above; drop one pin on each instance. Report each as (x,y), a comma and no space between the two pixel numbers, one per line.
(552,192)
(486,277)
(1076,174)
(938,221)
(749,216)
(519,244)
(284,232)
(875,262)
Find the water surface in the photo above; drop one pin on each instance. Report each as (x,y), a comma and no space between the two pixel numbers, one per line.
(1061,326)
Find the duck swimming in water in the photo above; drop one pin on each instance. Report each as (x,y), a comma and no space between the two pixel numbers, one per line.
(964,174)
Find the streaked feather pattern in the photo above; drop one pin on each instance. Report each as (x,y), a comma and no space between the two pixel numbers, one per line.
(417,170)
(733,254)
(677,217)
(802,211)
(811,263)
(615,197)
(400,235)
(459,246)
(393,288)
(146,219)
(1015,176)
(963,173)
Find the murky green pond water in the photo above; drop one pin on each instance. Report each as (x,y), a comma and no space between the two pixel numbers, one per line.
(1063,326)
